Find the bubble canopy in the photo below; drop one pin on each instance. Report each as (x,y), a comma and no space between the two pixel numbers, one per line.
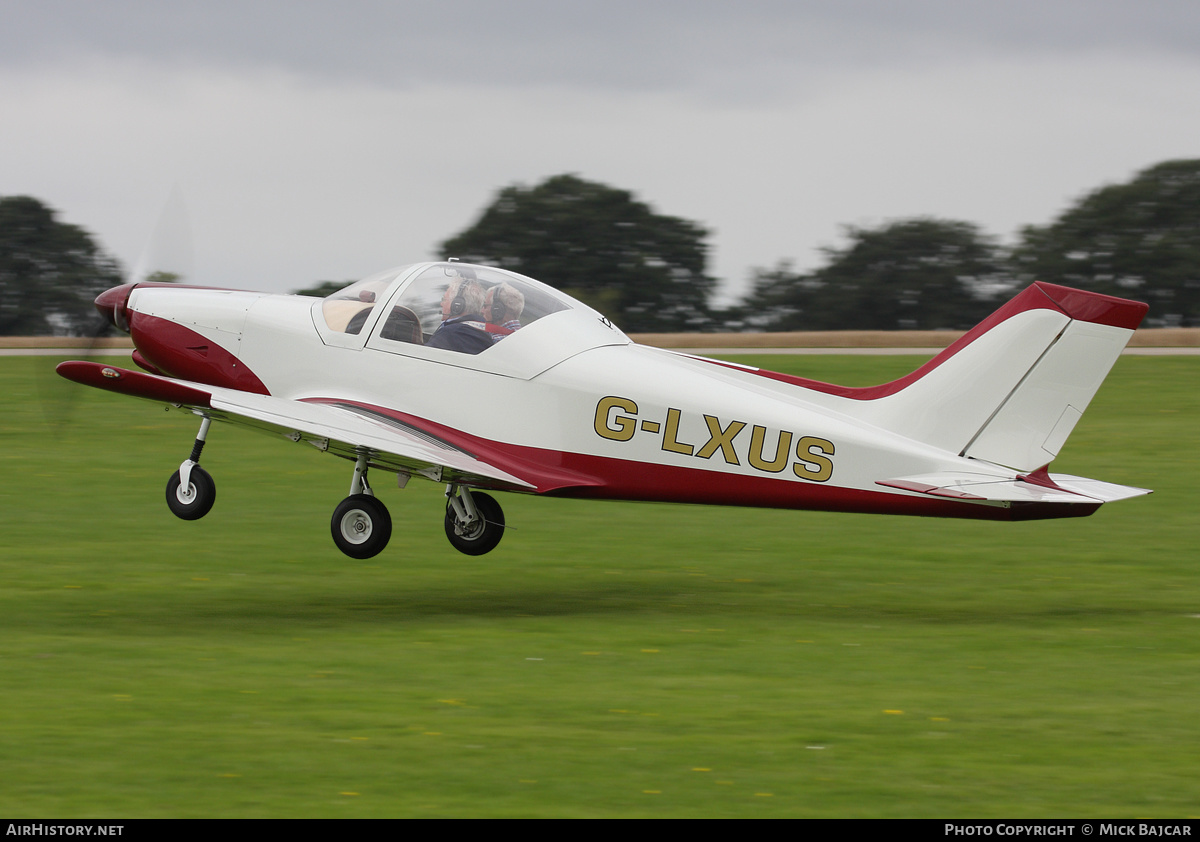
(499,320)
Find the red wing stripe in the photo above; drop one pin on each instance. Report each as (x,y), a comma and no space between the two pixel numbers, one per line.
(135,383)
(539,470)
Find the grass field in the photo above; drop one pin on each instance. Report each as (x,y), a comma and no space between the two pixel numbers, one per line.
(608,659)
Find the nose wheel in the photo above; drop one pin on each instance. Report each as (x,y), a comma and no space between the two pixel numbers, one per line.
(193,500)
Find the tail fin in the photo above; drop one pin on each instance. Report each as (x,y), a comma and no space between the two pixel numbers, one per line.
(1011,390)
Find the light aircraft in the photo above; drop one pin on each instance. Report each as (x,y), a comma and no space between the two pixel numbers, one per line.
(557,400)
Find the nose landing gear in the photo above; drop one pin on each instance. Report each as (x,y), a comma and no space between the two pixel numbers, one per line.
(191,492)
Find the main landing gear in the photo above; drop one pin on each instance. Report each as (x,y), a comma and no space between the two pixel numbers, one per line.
(361,525)
(474,520)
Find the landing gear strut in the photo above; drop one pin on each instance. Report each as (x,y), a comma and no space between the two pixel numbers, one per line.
(361,525)
(474,520)
(191,492)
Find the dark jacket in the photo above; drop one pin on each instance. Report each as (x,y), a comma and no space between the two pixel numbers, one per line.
(465,334)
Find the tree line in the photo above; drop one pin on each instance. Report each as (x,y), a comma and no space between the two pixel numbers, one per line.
(1136,240)
(648,271)
(50,272)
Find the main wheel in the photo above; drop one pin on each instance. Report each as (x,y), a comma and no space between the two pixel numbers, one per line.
(195,501)
(483,535)
(361,526)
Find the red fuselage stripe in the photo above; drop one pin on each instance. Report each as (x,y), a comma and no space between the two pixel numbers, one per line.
(564,474)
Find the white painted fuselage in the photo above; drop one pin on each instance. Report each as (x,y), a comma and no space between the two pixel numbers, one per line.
(569,405)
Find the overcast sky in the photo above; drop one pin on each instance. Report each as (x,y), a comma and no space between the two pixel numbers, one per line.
(321,140)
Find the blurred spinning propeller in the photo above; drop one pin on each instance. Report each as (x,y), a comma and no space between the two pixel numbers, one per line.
(166,258)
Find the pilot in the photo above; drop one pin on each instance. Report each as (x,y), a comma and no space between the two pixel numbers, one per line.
(503,305)
(463,325)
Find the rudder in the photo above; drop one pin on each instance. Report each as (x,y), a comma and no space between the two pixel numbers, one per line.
(1011,390)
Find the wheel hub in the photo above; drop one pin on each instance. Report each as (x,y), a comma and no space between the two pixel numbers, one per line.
(471,530)
(356,526)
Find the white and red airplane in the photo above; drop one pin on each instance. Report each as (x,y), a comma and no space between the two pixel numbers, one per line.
(404,372)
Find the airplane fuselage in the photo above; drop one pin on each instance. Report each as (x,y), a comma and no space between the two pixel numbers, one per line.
(570,402)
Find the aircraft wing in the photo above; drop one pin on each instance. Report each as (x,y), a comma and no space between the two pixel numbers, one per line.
(342,429)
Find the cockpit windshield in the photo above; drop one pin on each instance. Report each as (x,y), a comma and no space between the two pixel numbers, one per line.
(452,306)
(347,310)
(477,317)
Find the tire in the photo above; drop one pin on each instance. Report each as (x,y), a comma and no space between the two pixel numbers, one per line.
(361,526)
(196,500)
(483,536)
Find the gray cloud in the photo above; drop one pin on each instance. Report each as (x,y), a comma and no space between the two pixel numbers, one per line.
(316,141)
(620,45)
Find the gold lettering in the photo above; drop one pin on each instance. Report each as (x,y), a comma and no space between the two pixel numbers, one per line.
(820,459)
(671,433)
(722,439)
(782,450)
(614,426)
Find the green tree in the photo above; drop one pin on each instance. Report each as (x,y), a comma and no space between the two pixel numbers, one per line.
(644,270)
(50,272)
(1135,240)
(915,274)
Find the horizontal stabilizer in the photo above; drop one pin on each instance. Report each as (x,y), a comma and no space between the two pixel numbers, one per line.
(1037,487)
(1096,489)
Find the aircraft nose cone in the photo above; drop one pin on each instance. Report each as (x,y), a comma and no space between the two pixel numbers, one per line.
(111,304)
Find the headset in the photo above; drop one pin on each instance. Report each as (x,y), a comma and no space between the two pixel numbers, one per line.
(459,305)
(462,274)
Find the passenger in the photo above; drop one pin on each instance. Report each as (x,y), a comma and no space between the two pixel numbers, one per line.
(463,325)
(504,304)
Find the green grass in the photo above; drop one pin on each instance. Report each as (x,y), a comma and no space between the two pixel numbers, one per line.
(607,659)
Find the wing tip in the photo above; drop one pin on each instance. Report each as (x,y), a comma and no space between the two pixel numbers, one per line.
(133,383)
